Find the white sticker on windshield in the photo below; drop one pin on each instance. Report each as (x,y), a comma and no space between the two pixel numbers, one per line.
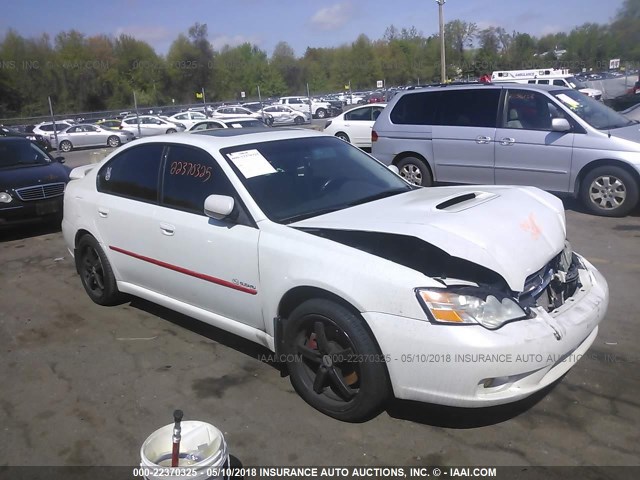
(564,98)
(236,125)
(251,163)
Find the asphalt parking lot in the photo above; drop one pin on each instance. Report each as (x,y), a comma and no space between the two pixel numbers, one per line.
(85,385)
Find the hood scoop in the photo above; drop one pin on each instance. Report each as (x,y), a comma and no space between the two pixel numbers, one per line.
(466,200)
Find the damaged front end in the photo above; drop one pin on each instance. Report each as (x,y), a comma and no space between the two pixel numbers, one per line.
(470,294)
(553,284)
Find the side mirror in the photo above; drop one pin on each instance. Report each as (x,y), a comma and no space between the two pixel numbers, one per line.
(218,207)
(394,169)
(59,159)
(560,125)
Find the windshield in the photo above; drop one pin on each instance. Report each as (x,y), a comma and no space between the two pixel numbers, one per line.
(294,179)
(21,154)
(593,112)
(577,84)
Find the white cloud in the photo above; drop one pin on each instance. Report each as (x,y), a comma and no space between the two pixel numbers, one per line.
(220,41)
(333,17)
(145,33)
(549,29)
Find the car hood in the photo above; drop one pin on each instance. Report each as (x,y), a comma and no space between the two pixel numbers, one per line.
(29,176)
(631,133)
(513,231)
(592,92)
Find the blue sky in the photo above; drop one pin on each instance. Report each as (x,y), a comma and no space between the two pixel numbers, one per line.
(301,23)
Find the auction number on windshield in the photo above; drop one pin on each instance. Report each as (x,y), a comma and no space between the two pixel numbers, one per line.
(190,169)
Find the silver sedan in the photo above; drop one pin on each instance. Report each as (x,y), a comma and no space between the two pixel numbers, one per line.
(85,135)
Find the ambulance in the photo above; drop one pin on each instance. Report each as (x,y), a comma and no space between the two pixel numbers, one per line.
(545,76)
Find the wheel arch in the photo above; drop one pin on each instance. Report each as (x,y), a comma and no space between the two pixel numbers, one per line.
(401,156)
(298,295)
(603,162)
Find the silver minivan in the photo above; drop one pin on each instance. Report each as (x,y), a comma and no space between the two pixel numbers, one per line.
(550,137)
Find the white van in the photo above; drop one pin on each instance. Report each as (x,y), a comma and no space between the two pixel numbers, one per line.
(550,137)
(545,76)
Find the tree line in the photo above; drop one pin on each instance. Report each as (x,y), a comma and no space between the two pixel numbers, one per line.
(93,73)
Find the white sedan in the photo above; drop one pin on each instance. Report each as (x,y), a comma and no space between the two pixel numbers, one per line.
(285,115)
(188,119)
(355,125)
(471,295)
(147,125)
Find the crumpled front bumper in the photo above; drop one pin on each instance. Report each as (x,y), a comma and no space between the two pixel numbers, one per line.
(470,366)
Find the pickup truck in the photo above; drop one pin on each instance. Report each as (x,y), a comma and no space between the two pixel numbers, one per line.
(318,109)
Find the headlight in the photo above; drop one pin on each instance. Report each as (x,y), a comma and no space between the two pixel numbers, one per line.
(5,197)
(469,305)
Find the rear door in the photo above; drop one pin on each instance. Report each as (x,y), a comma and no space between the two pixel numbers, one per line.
(126,209)
(528,152)
(463,135)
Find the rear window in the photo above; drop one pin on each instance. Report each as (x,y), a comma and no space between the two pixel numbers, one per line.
(416,108)
(459,108)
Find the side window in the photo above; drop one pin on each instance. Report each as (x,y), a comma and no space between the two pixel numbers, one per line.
(543,82)
(190,176)
(416,109)
(560,83)
(531,81)
(73,130)
(469,108)
(133,173)
(529,110)
(89,128)
(359,114)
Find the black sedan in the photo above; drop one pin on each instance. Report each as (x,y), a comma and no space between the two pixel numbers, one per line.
(32,183)
(39,139)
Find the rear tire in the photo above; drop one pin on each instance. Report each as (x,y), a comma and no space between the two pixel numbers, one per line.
(343,136)
(96,274)
(609,191)
(66,146)
(321,113)
(334,363)
(414,170)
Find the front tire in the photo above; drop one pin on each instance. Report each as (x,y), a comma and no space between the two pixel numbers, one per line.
(171,130)
(334,363)
(609,191)
(113,141)
(96,274)
(66,146)
(298,121)
(321,113)
(414,170)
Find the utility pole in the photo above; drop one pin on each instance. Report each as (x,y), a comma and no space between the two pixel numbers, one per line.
(443,69)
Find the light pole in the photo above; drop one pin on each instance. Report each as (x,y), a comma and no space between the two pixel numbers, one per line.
(443,69)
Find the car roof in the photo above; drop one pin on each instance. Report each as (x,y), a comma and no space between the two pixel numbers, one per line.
(479,86)
(229,137)
(14,139)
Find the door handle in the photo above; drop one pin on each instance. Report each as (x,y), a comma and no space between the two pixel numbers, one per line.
(507,141)
(167,229)
(482,139)
(103,212)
